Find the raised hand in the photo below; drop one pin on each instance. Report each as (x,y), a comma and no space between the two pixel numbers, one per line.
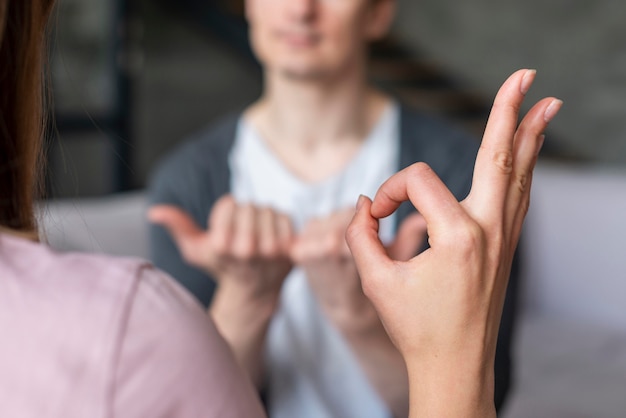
(442,308)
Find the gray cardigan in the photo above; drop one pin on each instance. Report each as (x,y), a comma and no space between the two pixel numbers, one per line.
(195,175)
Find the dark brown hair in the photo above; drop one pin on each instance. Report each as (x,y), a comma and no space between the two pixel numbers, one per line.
(22,57)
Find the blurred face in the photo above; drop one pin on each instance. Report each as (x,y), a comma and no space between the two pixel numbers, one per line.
(315,39)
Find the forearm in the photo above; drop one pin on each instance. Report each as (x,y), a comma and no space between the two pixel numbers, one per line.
(243,320)
(376,354)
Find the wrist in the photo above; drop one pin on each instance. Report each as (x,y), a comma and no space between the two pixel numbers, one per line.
(243,319)
(454,387)
(354,315)
(239,300)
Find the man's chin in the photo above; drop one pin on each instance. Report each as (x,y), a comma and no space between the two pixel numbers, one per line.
(304,75)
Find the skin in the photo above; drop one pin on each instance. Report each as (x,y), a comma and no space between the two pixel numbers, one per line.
(442,308)
(315,40)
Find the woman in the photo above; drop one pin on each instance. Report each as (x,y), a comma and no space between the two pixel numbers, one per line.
(95,336)
(87,336)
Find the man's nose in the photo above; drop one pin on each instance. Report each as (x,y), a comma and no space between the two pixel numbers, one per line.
(302,9)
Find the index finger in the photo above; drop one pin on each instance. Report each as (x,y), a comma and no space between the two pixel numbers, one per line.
(419,184)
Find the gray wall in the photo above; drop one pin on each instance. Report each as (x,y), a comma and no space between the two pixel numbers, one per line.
(577,46)
(185,79)
(188,79)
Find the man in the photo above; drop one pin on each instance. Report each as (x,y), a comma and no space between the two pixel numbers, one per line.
(259,203)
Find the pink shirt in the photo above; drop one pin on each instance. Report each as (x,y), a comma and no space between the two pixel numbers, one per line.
(96,336)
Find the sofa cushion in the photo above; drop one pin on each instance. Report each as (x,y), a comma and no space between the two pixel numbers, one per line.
(574,245)
(567,369)
(113,224)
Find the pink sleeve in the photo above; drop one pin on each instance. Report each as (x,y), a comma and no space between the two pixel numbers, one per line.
(173,363)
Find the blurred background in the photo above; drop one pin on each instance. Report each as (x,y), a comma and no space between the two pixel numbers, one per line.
(132,78)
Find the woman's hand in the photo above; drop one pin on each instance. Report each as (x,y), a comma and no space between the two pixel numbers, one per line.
(442,308)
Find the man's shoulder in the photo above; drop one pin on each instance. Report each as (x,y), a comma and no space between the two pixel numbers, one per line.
(206,148)
(212,141)
(443,145)
(429,130)
(439,142)
(199,163)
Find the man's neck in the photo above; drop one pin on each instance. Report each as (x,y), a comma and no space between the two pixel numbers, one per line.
(315,128)
(315,112)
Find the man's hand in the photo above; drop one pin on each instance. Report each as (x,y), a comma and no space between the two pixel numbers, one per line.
(246,247)
(442,308)
(321,250)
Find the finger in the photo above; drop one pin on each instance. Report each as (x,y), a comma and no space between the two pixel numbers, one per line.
(190,239)
(311,231)
(518,219)
(267,232)
(300,250)
(494,162)
(362,237)
(328,235)
(221,224)
(245,242)
(344,217)
(528,142)
(419,184)
(409,239)
(285,233)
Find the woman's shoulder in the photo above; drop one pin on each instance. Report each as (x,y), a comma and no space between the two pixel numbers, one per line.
(173,359)
(125,324)
(42,265)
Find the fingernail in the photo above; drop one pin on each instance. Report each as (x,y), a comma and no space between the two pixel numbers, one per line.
(552,109)
(527,81)
(360,202)
(540,140)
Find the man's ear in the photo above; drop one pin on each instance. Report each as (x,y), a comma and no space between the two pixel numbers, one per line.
(379,19)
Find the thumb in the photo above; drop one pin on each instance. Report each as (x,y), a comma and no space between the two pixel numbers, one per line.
(190,239)
(369,254)
(409,239)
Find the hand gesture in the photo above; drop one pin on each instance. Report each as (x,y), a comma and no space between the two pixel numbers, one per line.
(442,308)
(244,246)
